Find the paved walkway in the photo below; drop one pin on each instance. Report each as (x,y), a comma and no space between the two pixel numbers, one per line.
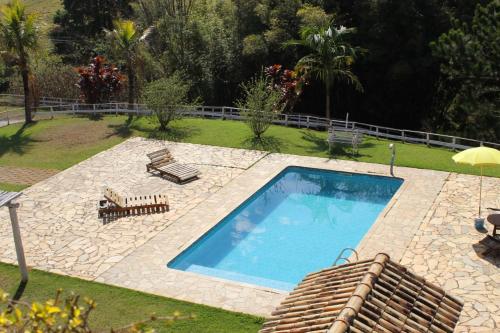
(428,226)
(24,176)
(448,250)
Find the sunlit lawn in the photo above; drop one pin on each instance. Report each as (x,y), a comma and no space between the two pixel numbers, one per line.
(63,142)
(117,307)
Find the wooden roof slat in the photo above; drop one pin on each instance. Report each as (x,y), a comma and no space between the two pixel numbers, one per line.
(374,295)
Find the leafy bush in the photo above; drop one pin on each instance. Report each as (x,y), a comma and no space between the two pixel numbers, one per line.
(99,82)
(261,102)
(165,96)
(60,315)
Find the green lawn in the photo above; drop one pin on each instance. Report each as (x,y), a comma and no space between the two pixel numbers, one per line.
(117,307)
(63,142)
(12,187)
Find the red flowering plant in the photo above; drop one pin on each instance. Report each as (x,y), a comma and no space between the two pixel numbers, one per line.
(290,83)
(99,81)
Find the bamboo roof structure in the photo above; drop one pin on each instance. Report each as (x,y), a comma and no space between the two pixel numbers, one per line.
(376,295)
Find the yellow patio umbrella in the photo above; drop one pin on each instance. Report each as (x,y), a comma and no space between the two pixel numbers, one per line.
(481,157)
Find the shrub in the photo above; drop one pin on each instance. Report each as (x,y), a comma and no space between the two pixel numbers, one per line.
(261,103)
(61,315)
(165,96)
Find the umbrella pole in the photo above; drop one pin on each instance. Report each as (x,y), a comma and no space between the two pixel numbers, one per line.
(480,190)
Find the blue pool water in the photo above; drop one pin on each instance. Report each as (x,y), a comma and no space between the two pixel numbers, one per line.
(296,224)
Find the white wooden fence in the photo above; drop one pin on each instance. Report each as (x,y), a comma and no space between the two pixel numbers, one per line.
(57,106)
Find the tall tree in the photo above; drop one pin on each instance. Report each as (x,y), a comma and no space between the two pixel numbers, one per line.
(126,41)
(80,24)
(19,35)
(330,58)
(470,55)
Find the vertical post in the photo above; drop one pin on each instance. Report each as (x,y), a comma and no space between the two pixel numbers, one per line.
(480,191)
(403,136)
(454,143)
(427,139)
(18,242)
(347,120)
(223,113)
(376,130)
(307,121)
(286,120)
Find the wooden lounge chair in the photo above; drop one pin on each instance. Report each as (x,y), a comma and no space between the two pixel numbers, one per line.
(341,135)
(164,163)
(116,205)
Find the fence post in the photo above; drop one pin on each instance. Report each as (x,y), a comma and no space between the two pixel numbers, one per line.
(376,131)
(223,113)
(454,143)
(73,108)
(116,109)
(353,125)
(307,121)
(427,139)
(51,112)
(403,136)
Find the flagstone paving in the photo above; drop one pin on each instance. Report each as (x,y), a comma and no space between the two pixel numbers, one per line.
(428,226)
(59,223)
(448,250)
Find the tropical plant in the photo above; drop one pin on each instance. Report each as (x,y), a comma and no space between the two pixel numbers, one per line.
(330,58)
(19,35)
(60,315)
(290,83)
(78,30)
(126,41)
(165,96)
(99,82)
(260,104)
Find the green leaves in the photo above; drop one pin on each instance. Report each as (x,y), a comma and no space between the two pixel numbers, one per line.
(19,32)
(470,57)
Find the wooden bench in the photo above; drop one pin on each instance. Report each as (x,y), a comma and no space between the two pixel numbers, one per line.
(345,136)
(162,161)
(116,205)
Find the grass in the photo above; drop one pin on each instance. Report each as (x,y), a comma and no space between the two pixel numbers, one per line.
(12,187)
(44,9)
(63,142)
(117,307)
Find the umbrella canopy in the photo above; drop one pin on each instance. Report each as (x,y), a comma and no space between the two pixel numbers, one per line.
(481,156)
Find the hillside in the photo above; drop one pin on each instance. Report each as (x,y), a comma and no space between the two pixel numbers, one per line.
(44,8)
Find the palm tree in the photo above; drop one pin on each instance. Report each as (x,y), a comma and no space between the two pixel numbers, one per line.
(127,40)
(19,35)
(330,57)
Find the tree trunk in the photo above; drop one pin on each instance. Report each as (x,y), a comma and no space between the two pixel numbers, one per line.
(26,87)
(328,98)
(131,83)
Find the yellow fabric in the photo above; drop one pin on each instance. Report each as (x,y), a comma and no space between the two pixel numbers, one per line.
(481,156)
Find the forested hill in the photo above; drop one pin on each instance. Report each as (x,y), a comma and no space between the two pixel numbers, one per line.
(414,64)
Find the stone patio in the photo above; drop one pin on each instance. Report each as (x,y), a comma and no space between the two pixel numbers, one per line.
(428,226)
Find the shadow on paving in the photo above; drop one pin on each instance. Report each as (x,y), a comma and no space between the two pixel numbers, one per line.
(489,250)
(17,143)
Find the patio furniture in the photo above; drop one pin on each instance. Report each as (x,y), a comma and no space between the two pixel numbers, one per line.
(164,163)
(494,219)
(116,205)
(341,135)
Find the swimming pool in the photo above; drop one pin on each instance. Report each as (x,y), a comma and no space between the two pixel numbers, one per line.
(296,224)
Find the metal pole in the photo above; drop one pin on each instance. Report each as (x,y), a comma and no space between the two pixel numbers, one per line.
(346,119)
(480,191)
(392,147)
(17,241)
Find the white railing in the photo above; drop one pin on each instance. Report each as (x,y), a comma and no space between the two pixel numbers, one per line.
(55,106)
